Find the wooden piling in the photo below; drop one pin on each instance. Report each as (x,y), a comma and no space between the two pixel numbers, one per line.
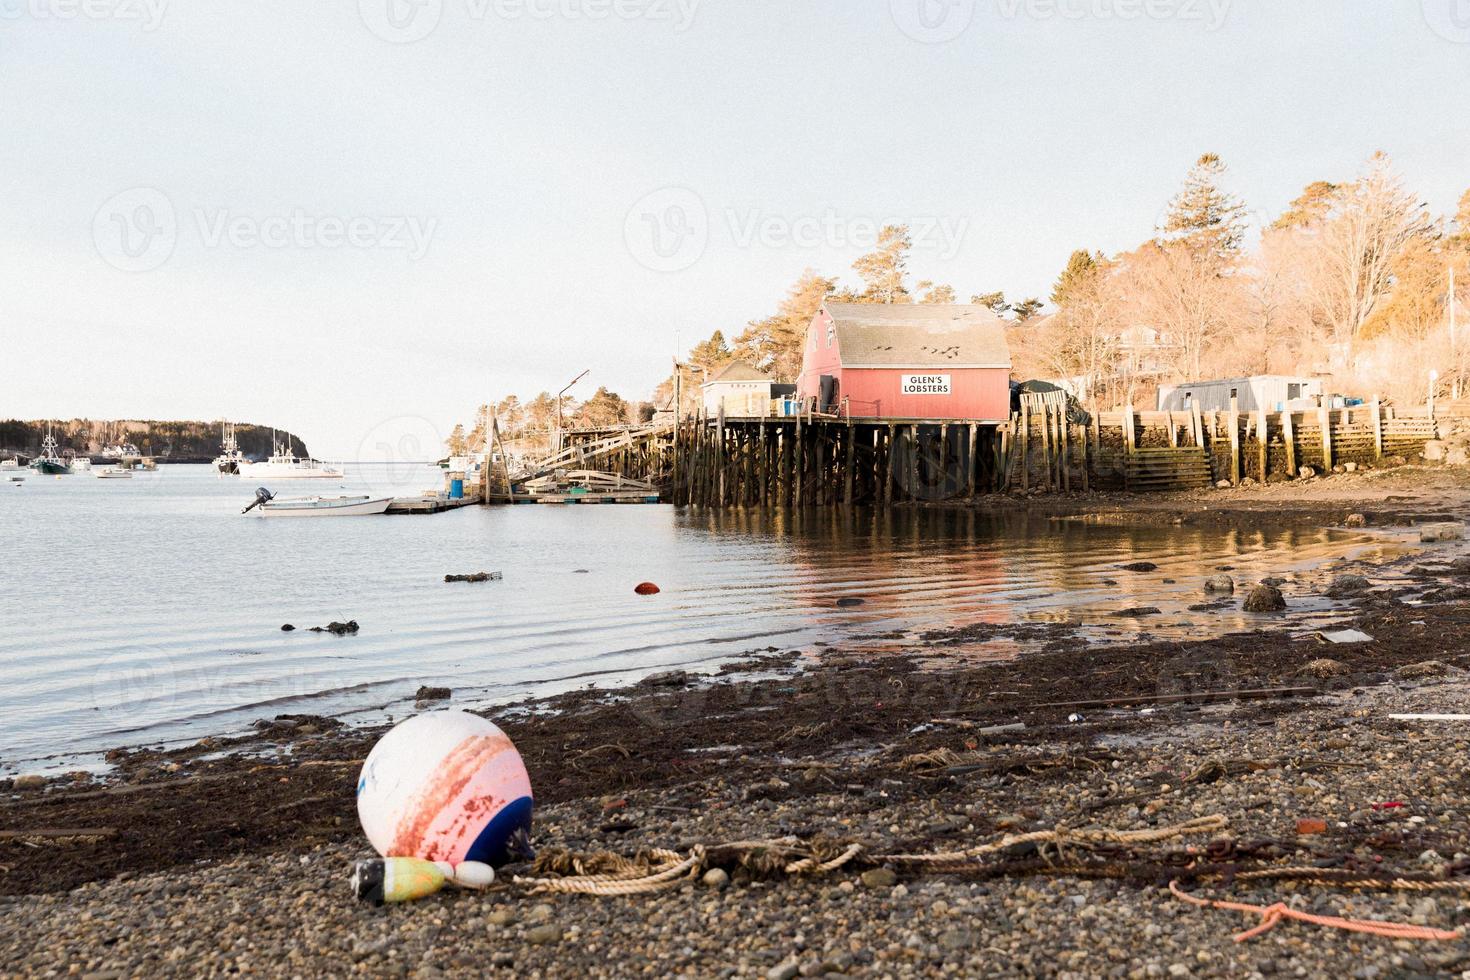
(1324,415)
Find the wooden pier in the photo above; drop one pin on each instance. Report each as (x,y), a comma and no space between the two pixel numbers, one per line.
(430,504)
(1047,446)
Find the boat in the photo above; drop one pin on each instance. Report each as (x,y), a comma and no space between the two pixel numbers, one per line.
(81,464)
(361,506)
(49,463)
(229,460)
(10,464)
(113,473)
(285,465)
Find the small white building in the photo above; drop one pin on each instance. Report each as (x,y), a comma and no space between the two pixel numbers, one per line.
(743,390)
(1273,392)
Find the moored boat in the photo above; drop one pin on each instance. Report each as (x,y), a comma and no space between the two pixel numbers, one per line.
(113,473)
(283,464)
(229,460)
(49,462)
(361,506)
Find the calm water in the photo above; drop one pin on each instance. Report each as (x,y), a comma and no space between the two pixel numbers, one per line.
(149,610)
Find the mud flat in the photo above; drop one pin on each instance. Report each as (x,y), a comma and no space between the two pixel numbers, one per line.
(234,855)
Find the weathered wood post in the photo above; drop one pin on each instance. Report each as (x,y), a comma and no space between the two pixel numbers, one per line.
(1128,438)
(1234,441)
(1264,445)
(1025,446)
(1066,449)
(798,464)
(1377,413)
(972,460)
(891,448)
(1199,424)
(913,467)
(851,465)
(1324,414)
(1288,436)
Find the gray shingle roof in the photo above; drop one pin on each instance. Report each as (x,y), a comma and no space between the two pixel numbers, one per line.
(919,335)
(738,371)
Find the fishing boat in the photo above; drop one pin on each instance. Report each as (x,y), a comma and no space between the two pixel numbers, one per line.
(229,460)
(49,462)
(113,473)
(267,505)
(81,464)
(285,465)
(10,464)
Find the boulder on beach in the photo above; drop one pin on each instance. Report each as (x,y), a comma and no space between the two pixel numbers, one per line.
(1348,585)
(338,629)
(1264,598)
(1220,583)
(1140,566)
(1323,667)
(433,694)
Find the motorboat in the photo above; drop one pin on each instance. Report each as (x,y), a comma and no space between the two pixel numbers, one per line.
(49,462)
(229,460)
(81,464)
(283,464)
(266,504)
(113,473)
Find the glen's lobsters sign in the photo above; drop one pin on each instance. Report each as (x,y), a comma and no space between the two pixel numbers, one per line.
(924,384)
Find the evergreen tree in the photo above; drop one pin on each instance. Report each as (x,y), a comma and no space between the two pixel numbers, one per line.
(995,301)
(1080,268)
(1026,309)
(1203,216)
(1310,208)
(775,343)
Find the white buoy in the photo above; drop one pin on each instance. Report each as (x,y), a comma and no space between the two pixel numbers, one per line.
(446,786)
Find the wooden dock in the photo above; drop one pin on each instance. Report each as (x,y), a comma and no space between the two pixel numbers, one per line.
(430,504)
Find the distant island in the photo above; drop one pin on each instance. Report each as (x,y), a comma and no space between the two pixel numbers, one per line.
(166,441)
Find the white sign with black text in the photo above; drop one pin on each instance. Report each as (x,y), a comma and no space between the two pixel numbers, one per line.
(924,384)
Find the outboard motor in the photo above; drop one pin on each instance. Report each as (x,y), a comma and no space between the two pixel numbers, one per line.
(262,495)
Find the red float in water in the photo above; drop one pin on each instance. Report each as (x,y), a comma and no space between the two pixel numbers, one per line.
(647,588)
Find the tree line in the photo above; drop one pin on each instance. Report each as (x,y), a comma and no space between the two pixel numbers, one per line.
(1352,283)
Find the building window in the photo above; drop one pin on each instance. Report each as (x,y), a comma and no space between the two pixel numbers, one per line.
(1234,392)
(831,333)
(1293,391)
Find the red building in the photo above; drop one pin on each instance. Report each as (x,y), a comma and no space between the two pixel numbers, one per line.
(907,361)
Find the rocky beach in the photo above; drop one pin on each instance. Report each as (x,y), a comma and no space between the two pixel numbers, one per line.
(1070,767)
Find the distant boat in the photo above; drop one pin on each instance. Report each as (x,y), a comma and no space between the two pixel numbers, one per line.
(284,465)
(230,458)
(113,473)
(322,506)
(81,464)
(49,462)
(10,464)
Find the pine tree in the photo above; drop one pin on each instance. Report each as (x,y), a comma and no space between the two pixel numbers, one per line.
(1026,309)
(995,301)
(883,270)
(1310,207)
(1080,268)
(1202,216)
(775,343)
(711,354)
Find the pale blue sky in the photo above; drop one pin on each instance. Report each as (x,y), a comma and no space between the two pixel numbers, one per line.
(518,138)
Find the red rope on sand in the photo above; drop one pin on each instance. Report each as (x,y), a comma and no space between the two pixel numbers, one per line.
(1271,915)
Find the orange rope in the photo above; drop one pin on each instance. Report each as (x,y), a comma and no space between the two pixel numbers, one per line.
(1272,915)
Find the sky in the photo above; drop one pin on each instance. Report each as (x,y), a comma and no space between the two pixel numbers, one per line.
(359,219)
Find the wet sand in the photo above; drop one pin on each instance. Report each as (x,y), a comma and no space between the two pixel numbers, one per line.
(813,744)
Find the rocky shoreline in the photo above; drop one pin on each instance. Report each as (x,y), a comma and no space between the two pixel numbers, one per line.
(233,854)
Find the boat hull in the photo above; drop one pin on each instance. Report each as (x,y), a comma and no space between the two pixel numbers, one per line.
(325,507)
(262,471)
(50,469)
